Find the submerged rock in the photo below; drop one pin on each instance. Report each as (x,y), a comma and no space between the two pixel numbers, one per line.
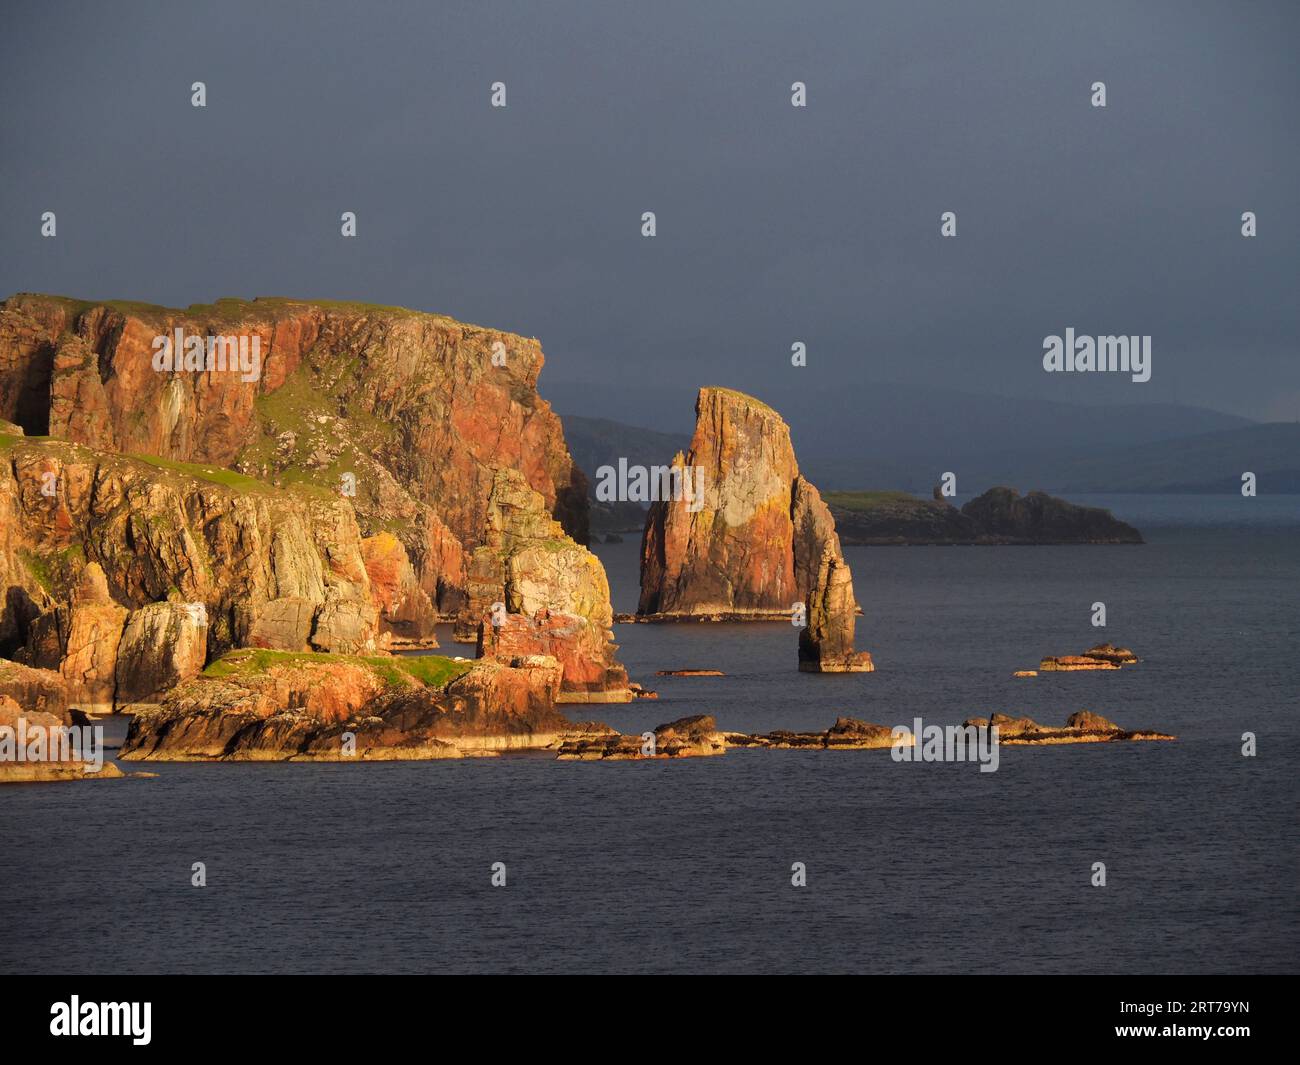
(689,673)
(1074,663)
(847,734)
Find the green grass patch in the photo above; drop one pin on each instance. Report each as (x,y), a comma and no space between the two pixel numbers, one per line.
(394,671)
(212,474)
(864,501)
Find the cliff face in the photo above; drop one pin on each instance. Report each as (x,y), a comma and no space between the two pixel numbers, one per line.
(124,575)
(418,408)
(553,592)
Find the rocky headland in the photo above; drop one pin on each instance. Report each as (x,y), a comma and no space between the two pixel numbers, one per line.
(999,516)
(380,471)
(232,561)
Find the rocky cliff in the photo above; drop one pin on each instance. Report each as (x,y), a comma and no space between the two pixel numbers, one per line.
(414,411)
(533,591)
(323,481)
(126,574)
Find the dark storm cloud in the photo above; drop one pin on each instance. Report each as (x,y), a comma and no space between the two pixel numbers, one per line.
(775,224)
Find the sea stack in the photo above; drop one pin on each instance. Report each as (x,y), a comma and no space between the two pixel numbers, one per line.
(759,545)
(731,554)
(826,642)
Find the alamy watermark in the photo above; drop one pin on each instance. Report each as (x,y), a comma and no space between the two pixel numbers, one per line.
(639,484)
(950,743)
(1113,354)
(53,743)
(195,353)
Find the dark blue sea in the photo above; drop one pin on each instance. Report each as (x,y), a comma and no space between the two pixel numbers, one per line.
(686,866)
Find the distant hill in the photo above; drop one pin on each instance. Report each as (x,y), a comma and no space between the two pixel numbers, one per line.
(999,516)
(596,442)
(1208,462)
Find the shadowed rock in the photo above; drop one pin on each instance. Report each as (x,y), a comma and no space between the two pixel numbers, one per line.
(826,642)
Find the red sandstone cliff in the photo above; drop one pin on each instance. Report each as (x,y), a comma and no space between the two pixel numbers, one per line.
(419,408)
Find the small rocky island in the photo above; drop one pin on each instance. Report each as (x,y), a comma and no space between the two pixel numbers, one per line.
(999,516)
(1103,656)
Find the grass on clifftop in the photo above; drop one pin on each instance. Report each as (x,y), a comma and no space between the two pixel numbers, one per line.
(753,401)
(230,308)
(864,501)
(212,474)
(395,671)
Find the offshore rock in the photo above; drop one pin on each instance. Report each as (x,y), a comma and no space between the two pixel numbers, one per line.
(826,641)
(998,516)
(847,734)
(688,737)
(1074,664)
(734,552)
(14,722)
(1110,653)
(1080,727)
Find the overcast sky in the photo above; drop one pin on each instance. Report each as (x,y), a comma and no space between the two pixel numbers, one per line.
(775,224)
